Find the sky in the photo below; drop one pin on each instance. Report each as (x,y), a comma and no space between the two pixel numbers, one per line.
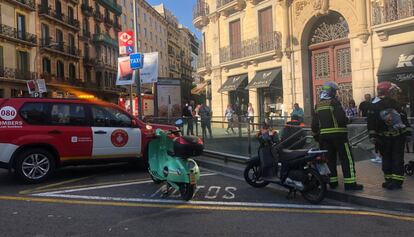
(182,9)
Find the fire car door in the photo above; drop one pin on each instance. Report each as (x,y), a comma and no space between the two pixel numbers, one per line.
(113,135)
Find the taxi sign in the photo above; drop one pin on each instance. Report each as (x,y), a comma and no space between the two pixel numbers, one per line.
(136,60)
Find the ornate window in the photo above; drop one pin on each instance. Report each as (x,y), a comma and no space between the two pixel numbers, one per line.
(322,67)
(343,62)
(328,28)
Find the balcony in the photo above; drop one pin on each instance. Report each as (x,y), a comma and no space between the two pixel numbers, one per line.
(391,15)
(14,73)
(112,6)
(85,36)
(101,65)
(26,4)
(12,34)
(251,49)
(227,7)
(86,9)
(104,39)
(89,62)
(74,1)
(48,13)
(200,14)
(98,16)
(59,48)
(117,26)
(204,63)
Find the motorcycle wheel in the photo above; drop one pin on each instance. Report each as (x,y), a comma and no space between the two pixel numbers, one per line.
(408,169)
(315,187)
(187,191)
(253,176)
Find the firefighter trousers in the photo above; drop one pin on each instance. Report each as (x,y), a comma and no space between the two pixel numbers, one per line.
(392,152)
(338,146)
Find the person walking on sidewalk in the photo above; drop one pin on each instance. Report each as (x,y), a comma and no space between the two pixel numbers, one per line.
(229,117)
(250,115)
(388,127)
(329,129)
(205,114)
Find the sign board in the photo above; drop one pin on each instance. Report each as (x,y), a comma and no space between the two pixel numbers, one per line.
(126,42)
(125,74)
(136,60)
(41,85)
(149,72)
(31,86)
(169,98)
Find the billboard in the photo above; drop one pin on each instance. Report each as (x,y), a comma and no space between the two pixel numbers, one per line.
(169,97)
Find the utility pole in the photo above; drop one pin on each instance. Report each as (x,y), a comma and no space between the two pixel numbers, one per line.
(137,78)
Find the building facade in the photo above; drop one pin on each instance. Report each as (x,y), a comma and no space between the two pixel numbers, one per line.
(188,47)
(274,53)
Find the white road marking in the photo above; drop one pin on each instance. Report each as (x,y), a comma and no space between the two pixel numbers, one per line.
(215,203)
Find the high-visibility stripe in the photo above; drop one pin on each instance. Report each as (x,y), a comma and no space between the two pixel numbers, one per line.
(350,160)
(349,181)
(333,179)
(333,130)
(397,177)
(324,108)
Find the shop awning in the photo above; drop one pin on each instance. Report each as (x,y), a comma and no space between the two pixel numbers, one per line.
(233,83)
(265,78)
(397,63)
(199,88)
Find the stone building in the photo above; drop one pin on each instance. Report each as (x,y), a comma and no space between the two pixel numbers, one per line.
(188,47)
(274,53)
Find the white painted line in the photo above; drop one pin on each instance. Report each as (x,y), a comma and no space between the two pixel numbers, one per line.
(218,203)
(106,186)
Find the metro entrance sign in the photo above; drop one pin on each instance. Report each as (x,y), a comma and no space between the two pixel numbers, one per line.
(126,42)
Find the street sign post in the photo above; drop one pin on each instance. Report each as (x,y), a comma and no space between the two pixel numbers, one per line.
(126,42)
(136,60)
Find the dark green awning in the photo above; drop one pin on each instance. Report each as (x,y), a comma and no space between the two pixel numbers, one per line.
(397,63)
(233,83)
(265,78)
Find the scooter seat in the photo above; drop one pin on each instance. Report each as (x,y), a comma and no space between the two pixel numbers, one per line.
(286,154)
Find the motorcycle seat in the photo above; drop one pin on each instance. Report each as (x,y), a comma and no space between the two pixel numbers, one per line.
(286,154)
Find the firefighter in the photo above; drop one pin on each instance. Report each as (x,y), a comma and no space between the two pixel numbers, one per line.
(389,128)
(329,129)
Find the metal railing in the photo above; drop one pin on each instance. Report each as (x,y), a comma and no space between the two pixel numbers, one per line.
(27,3)
(391,10)
(200,9)
(47,43)
(59,16)
(112,6)
(250,47)
(14,73)
(86,9)
(204,60)
(12,32)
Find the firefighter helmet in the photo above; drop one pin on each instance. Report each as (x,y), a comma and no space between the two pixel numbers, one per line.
(387,88)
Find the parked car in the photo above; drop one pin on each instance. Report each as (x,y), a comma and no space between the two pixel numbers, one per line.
(38,135)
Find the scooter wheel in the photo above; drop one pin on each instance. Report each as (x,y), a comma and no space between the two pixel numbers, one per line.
(187,191)
(253,176)
(315,187)
(408,169)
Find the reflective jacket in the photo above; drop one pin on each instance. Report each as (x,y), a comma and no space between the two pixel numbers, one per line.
(329,118)
(378,127)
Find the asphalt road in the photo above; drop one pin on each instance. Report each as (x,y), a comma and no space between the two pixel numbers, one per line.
(120,200)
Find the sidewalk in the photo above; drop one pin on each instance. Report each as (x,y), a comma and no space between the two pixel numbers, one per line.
(370,175)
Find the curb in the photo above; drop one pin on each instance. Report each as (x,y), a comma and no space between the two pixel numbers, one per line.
(227,165)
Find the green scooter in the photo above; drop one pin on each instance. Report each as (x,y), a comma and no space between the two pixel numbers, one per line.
(169,161)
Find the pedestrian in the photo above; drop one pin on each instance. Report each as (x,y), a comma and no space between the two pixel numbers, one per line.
(190,119)
(229,113)
(364,106)
(351,111)
(205,115)
(298,112)
(250,115)
(186,115)
(329,129)
(388,127)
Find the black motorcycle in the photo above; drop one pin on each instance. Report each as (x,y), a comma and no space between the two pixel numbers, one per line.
(305,171)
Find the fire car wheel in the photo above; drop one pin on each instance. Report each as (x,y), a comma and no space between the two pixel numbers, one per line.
(35,165)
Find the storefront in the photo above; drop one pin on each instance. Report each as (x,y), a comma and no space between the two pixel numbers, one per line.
(235,86)
(269,92)
(397,66)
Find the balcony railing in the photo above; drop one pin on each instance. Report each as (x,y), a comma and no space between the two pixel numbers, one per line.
(204,61)
(108,22)
(112,6)
(221,3)
(69,50)
(86,9)
(28,4)
(98,16)
(251,47)
(58,16)
(104,38)
(391,10)
(16,35)
(88,61)
(200,14)
(14,73)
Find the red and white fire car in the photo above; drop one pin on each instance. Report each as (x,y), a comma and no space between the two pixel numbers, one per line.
(39,135)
